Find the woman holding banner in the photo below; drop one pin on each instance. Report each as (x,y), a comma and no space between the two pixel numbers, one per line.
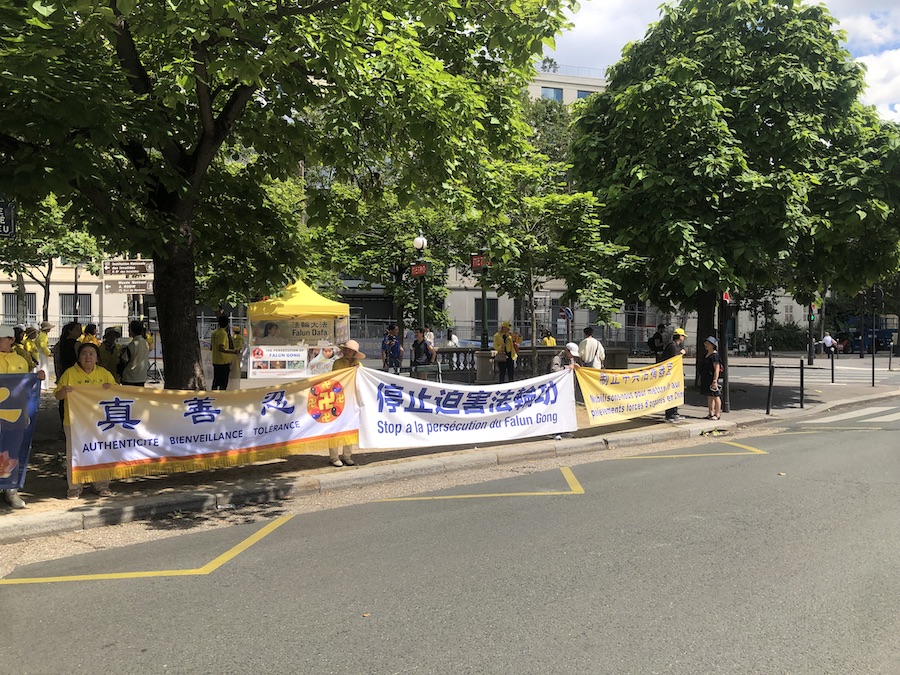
(84,372)
(351,357)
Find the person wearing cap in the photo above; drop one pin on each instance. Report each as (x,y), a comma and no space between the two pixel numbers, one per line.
(85,372)
(12,363)
(506,346)
(670,351)
(567,358)
(351,357)
(42,342)
(709,378)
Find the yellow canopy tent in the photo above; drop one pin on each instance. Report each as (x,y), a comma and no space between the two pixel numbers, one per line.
(293,336)
(297,301)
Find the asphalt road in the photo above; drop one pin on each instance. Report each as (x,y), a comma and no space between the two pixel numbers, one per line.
(713,559)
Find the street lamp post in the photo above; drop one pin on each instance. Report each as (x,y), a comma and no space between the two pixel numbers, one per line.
(420,243)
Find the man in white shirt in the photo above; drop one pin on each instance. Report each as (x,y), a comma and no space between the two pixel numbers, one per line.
(591,351)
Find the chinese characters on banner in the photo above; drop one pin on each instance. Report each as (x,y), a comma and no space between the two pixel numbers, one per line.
(20,397)
(617,395)
(127,431)
(295,348)
(399,412)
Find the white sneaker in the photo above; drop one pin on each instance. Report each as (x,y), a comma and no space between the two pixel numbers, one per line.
(336,462)
(15,501)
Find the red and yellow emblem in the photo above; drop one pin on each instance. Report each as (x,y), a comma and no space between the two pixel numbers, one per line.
(326,400)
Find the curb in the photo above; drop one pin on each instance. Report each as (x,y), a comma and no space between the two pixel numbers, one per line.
(28,526)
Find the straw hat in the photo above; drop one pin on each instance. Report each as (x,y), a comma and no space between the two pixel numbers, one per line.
(354,345)
(46,325)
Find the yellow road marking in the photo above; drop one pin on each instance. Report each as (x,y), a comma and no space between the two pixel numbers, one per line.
(748,451)
(198,571)
(574,489)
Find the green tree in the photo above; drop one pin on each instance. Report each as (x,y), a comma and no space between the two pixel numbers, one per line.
(730,148)
(550,121)
(45,232)
(536,230)
(126,107)
(372,240)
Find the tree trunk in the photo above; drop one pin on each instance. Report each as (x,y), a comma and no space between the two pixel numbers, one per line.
(20,298)
(45,306)
(175,289)
(706,326)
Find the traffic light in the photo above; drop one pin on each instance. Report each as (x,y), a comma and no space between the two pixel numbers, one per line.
(812,313)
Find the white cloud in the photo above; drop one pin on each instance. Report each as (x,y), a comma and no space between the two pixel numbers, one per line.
(604,27)
(883,78)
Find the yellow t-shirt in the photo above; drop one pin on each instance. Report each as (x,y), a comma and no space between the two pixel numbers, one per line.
(12,364)
(548,341)
(218,342)
(42,341)
(76,377)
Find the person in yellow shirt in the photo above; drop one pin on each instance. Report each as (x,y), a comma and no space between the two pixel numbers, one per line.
(28,341)
(506,344)
(20,348)
(223,351)
(42,342)
(90,335)
(547,339)
(13,364)
(84,372)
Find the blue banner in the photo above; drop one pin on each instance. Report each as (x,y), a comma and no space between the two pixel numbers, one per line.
(20,397)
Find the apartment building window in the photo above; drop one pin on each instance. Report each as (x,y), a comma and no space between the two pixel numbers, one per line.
(789,314)
(67,308)
(554,93)
(11,308)
(584,94)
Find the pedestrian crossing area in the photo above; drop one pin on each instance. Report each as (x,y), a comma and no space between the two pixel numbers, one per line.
(843,376)
(872,415)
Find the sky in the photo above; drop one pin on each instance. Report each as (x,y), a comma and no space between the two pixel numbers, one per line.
(604,27)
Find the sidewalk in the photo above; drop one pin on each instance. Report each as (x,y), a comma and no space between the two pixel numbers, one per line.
(48,510)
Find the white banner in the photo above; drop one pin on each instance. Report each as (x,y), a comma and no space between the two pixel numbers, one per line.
(122,431)
(401,412)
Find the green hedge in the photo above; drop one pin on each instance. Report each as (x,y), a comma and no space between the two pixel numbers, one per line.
(783,337)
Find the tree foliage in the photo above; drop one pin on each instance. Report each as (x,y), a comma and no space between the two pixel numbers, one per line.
(45,232)
(127,108)
(730,148)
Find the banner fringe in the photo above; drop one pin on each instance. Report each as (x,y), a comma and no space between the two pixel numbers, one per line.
(237,458)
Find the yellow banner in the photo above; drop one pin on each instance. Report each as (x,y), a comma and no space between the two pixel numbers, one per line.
(617,395)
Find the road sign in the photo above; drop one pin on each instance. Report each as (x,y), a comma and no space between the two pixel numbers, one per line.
(7,219)
(420,269)
(127,267)
(726,296)
(480,261)
(562,313)
(569,314)
(130,286)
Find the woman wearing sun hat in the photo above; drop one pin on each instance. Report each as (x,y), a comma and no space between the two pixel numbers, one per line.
(351,357)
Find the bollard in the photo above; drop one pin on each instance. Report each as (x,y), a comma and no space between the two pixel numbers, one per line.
(890,355)
(771,385)
(801,383)
(832,370)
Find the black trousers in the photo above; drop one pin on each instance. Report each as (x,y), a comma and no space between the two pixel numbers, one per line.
(220,375)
